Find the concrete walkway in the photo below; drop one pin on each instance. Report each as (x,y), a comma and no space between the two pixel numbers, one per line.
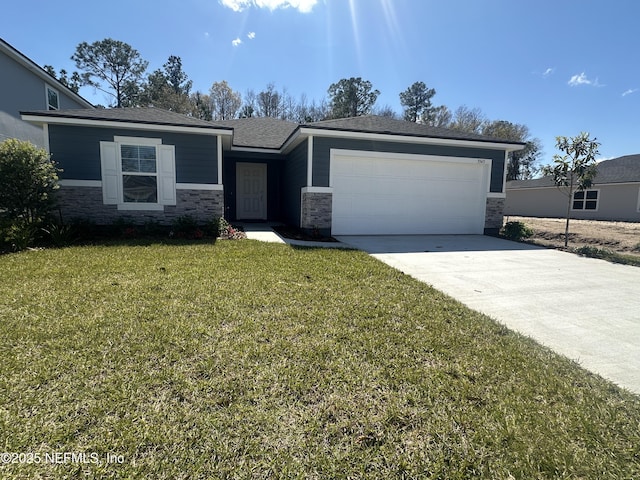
(583,308)
(264,232)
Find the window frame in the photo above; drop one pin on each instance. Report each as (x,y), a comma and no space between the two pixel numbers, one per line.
(111,173)
(137,142)
(585,199)
(47,89)
(122,173)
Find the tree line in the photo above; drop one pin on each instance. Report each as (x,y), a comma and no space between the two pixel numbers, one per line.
(118,70)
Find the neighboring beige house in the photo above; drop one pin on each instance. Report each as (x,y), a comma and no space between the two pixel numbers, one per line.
(614,195)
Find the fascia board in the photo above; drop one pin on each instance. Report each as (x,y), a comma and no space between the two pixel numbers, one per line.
(51,120)
(385,137)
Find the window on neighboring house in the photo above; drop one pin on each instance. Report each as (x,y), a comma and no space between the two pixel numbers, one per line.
(138,173)
(52,99)
(585,200)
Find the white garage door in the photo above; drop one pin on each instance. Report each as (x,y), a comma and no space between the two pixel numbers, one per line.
(376,193)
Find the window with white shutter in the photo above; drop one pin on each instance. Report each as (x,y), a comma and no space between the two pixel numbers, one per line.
(138,173)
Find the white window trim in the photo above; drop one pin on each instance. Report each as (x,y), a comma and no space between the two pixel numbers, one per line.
(137,141)
(200,186)
(133,206)
(317,190)
(310,162)
(145,142)
(573,199)
(46,97)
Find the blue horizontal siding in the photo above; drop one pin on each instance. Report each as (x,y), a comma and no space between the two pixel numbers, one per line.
(294,179)
(322,151)
(77,152)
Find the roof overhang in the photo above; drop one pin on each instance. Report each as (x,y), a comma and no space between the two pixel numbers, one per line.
(240,148)
(125,124)
(304,132)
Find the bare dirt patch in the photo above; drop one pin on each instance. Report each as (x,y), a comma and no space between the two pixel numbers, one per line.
(620,237)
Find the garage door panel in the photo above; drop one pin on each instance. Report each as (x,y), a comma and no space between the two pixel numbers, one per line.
(380,224)
(407,196)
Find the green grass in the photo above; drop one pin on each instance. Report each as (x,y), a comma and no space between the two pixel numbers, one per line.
(252,360)
(609,255)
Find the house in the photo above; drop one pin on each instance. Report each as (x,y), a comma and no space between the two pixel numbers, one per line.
(362,175)
(614,195)
(26,86)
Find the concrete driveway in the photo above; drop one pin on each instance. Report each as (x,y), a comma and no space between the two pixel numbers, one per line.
(583,308)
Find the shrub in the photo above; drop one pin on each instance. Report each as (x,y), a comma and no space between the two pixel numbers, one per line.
(594,252)
(516,231)
(184,226)
(60,235)
(120,227)
(84,228)
(228,231)
(154,228)
(19,235)
(130,232)
(28,179)
(223,226)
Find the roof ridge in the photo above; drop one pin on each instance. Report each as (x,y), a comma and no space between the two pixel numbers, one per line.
(395,126)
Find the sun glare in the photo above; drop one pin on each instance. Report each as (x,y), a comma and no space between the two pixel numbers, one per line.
(356,32)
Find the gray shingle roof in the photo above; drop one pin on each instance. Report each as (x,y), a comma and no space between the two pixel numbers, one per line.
(259,132)
(147,115)
(391,126)
(617,170)
(268,133)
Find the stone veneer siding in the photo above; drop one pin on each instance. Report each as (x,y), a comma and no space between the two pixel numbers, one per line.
(316,211)
(494,215)
(85,203)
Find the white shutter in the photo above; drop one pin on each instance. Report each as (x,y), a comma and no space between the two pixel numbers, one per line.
(110,173)
(166,175)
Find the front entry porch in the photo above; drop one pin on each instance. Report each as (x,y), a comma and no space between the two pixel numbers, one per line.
(253,188)
(251,191)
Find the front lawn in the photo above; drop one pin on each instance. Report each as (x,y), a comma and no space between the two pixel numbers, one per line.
(253,360)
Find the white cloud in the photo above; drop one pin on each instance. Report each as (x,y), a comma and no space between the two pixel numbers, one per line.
(206,34)
(602,159)
(548,72)
(579,80)
(629,92)
(236,42)
(251,35)
(303,6)
(236,5)
(583,80)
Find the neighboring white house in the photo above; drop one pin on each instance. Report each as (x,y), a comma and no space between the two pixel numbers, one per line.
(26,86)
(614,195)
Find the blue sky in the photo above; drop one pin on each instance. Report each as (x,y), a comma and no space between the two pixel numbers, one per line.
(558,66)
